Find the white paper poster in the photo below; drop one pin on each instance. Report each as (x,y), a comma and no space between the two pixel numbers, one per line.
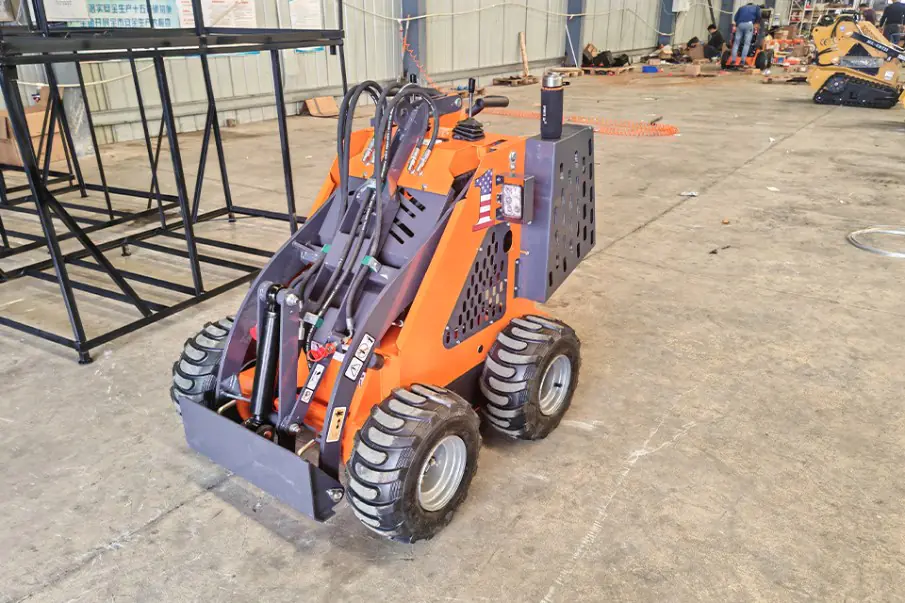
(220,13)
(130,13)
(306,14)
(66,10)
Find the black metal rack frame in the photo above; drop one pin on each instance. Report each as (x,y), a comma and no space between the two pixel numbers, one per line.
(39,43)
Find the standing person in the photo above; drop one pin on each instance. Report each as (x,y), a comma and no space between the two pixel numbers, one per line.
(892,20)
(868,13)
(745,19)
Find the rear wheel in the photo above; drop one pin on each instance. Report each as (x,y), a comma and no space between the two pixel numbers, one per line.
(195,373)
(529,377)
(413,461)
(724,59)
(763,59)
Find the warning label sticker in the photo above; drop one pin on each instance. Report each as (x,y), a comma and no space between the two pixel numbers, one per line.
(314,379)
(357,363)
(336,424)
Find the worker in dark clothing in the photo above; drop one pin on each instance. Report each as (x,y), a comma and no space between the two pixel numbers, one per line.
(892,20)
(715,41)
(745,18)
(868,13)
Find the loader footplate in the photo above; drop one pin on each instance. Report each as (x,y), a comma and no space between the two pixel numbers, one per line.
(848,91)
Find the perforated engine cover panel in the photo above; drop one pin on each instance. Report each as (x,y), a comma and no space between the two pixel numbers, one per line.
(483,296)
(562,231)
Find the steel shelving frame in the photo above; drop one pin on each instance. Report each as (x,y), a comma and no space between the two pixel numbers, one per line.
(38,43)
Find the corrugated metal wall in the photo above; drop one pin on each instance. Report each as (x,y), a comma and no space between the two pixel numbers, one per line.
(243,84)
(483,34)
(621,25)
(694,22)
(460,38)
(482,38)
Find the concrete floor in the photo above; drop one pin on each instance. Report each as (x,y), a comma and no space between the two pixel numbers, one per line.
(738,432)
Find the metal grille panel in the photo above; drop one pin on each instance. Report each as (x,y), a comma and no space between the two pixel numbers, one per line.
(563,229)
(483,296)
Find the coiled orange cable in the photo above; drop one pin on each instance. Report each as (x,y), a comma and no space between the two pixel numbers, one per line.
(607,127)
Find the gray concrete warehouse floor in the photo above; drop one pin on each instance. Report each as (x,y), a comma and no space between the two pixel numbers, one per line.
(738,432)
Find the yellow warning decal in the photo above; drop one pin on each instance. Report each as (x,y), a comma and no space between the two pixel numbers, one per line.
(336,424)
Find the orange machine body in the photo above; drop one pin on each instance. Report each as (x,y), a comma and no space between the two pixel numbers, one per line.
(413,351)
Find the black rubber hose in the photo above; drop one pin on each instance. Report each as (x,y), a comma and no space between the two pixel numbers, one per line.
(344,135)
(347,114)
(358,280)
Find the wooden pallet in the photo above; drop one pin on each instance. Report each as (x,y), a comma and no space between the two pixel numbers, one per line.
(607,70)
(567,71)
(515,80)
(786,79)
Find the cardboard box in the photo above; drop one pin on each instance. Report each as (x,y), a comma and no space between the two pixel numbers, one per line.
(653,61)
(693,70)
(34,119)
(697,52)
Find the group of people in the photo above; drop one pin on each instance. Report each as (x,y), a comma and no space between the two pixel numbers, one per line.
(748,18)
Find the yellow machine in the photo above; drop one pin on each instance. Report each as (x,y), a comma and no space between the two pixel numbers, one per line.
(855,64)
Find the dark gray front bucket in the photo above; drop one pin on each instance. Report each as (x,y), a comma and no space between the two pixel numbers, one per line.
(263,463)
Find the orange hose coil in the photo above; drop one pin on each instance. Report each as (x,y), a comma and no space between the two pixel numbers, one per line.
(608,127)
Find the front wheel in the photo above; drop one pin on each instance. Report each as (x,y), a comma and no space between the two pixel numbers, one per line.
(195,373)
(413,461)
(529,377)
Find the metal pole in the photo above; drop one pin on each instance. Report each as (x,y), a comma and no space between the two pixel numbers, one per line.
(156,162)
(202,164)
(155,185)
(284,137)
(23,139)
(97,150)
(64,125)
(342,51)
(44,124)
(53,128)
(178,173)
(218,141)
(3,237)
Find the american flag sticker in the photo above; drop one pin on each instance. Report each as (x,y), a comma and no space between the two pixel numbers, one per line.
(485,185)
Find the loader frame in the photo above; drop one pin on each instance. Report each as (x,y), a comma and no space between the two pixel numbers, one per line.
(452,271)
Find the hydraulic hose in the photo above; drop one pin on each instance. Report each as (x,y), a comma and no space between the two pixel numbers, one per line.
(343,140)
(374,246)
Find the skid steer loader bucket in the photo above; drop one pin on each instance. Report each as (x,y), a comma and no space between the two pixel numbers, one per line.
(272,468)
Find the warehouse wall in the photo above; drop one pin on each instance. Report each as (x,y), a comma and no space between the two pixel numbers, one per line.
(621,25)
(243,84)
(483,37)
(481,40)
(460,38)
(694,22)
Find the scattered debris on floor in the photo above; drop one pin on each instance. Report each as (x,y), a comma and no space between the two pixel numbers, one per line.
(515,80)
(716,250)
(689,194)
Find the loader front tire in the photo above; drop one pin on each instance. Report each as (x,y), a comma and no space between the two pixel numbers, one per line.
(195,373)
(413,461)
(529,377)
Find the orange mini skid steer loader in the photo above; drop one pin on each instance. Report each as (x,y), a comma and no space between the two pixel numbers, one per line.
(403,308)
